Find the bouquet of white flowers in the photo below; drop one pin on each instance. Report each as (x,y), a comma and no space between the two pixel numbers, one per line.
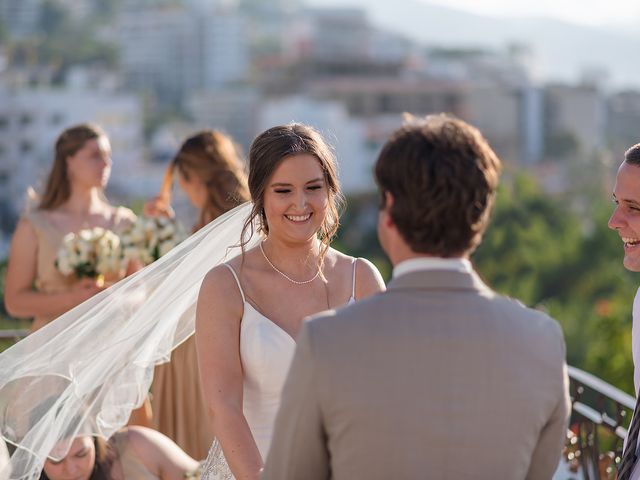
(89,253)
(149,238)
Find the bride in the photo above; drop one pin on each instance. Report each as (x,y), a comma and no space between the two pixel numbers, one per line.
(250,309)
(99,357)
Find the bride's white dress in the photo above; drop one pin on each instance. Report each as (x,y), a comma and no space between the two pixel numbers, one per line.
(266,351)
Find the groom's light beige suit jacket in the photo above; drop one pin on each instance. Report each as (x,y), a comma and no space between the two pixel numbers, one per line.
(437,378)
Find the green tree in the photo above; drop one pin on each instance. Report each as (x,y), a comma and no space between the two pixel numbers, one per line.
(541,250)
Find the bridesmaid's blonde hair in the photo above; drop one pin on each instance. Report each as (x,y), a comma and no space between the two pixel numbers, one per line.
(212,157)
(58,186)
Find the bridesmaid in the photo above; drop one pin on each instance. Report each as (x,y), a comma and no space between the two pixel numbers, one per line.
(73,200)
(211,173)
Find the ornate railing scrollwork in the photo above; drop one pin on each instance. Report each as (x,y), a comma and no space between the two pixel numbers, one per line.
(600,415)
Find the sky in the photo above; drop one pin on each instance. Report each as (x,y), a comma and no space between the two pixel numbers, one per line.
(590,12)
(605,13)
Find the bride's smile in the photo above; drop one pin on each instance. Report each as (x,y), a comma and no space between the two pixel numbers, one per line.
(296,199)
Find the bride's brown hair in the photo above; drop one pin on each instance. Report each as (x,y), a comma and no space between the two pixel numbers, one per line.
(267,152)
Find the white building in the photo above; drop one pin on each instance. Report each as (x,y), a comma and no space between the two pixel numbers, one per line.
(579,111)
(78,9)
(232,110)
(339,34)
(172,50)
(225,57)
(208,5)
(31,120)
(21,17)
(331,119)
(387,47)
(343,36)
(159,51)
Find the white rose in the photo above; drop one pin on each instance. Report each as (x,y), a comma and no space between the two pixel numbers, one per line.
(68,238)
(98,232)
(150,224)
(108,264)
(108,244)
(83,256)
(64,266)
(84,245)
(152,240)
(131,253)
(145,256)
(125,239)
(116,263)
(103,246)
(137,234)
(72,258)
(72,245)
(102,266)
(165,247)
(167,231)
(85,235)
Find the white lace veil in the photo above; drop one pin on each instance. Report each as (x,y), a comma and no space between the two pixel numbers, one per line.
(83,373)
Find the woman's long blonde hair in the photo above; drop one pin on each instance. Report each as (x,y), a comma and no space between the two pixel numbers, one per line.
(58,186)
(212,157)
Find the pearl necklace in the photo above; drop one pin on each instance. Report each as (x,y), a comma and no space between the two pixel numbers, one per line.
(284,274)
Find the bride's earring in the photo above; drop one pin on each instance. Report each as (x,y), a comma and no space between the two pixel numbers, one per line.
(264,226)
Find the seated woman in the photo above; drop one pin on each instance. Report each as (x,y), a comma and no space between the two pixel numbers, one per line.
(133,453)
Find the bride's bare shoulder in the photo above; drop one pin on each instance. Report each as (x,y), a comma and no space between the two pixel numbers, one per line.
(219,298)
(368,279)
(221,278)
(219,284)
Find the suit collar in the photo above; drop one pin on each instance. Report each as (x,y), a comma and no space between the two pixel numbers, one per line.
(431,263)
(439,280)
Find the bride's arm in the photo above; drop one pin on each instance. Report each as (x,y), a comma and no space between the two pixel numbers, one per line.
(218,317)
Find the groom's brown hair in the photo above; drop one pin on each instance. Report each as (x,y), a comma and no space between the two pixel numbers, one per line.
(442,175)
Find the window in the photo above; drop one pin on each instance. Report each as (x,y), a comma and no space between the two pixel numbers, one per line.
(26,146)
(26,119)
(57,119)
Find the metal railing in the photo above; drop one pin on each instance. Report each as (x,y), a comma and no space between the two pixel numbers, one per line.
(15,335)
(600,415)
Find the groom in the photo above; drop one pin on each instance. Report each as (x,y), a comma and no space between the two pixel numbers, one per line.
(439,377)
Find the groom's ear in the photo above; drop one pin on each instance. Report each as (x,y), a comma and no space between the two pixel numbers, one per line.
(386,208)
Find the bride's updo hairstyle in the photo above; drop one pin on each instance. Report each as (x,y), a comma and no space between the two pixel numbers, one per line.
(267,151)
(58,186)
